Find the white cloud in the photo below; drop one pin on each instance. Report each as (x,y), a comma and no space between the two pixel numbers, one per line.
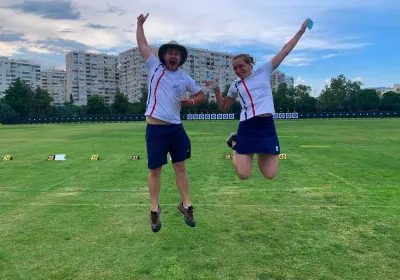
(36,28)
(330,55)
(298,60)
(265,58)
(36,49)
(264,31)
(9,48)
(328,82)
(271,24)
(299,81)
(60,67)
(358,79)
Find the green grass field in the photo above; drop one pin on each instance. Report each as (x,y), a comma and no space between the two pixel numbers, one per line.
(332,212)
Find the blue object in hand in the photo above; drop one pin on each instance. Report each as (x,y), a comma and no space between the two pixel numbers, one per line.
(310,24)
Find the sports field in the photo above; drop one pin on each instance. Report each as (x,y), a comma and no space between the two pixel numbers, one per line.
(332,212)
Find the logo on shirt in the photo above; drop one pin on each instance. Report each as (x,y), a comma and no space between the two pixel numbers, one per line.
(179,89)
(258,71)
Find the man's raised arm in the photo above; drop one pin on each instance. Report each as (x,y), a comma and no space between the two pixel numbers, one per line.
(141,39)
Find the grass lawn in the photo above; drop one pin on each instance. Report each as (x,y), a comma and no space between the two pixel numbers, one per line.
(332,212)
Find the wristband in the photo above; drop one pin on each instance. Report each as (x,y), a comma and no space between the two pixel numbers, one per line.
(192,102)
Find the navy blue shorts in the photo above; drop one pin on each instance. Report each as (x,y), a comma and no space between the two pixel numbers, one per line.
(257,135)
(164,139)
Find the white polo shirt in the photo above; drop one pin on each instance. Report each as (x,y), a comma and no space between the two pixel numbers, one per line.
(254,92)
(165,89)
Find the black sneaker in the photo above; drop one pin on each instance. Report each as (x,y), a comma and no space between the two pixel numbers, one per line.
(231,138)
(187,214)
(155,220)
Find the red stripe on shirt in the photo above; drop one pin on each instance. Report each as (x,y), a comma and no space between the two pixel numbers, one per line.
(251,99)
(155,93)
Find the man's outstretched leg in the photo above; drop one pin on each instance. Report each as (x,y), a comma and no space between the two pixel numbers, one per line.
(154,185)
(180,152)
(157,149)
(182,183)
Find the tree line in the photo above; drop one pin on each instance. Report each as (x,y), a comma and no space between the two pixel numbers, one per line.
(341,95)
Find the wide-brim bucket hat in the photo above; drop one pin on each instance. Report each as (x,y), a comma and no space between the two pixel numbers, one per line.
(172,45)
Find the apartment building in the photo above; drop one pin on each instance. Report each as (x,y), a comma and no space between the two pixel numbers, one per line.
(204,65)
(11,69)
(54,81)
(289,81)
(396,88)
(201,65)
(91,74)
(133,73)
(279,77)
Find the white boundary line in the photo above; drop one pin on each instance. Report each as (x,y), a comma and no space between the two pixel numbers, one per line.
(203,205)
(145,190)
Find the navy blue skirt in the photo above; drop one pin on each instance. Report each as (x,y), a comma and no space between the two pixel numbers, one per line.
(257,135)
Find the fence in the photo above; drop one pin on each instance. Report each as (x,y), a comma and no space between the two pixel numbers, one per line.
(197,117)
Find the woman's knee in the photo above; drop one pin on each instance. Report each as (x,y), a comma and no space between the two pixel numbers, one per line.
(243,172)
(268,166)
(243,176)
(243,166)
(269,171)
(269,175)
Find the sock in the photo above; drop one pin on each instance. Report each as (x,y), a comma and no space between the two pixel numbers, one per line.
(234,152)
(186,207)
(158,209)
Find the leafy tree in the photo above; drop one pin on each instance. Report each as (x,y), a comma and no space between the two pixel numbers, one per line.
(80,110)
(304,102)
(236,108)
(96,106)
(40,103)
(368,99)
(212,107)
(135,109)
(6,111)
(390,101)
(143,100)
(62,111)
(226,89)
(121,103)
(284,99)
(353,95)
(18,96)
(341,95)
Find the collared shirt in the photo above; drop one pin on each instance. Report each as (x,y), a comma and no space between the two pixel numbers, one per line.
(254,92)
(165,89)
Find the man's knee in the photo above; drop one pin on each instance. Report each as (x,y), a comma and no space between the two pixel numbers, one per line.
(155,172)
(179,167)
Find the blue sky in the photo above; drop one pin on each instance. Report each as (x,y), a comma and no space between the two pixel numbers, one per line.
(359,39)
